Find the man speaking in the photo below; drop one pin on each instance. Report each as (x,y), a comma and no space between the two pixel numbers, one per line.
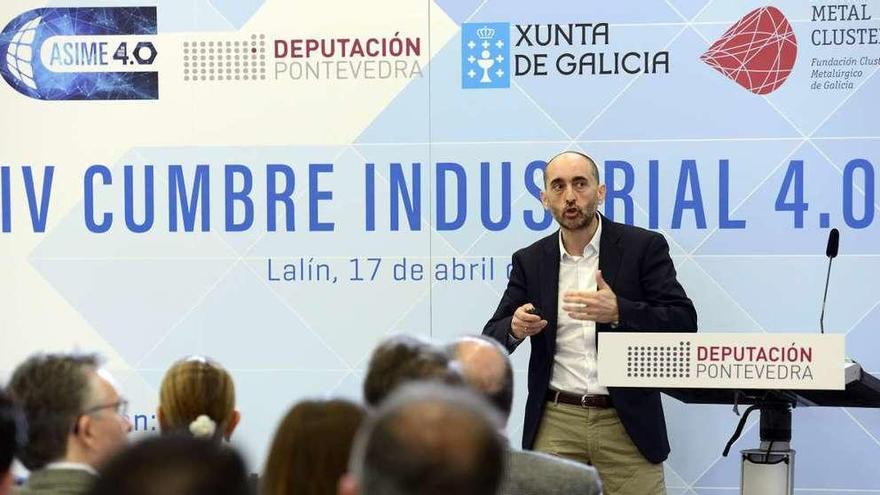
(593,275)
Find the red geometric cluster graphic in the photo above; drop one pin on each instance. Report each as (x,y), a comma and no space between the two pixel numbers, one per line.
(757,52)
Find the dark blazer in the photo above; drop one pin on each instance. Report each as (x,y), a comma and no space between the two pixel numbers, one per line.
(636,264)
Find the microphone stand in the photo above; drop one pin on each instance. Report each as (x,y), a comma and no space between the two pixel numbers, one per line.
(825,297)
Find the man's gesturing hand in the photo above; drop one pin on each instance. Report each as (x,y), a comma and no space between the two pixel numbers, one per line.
(599,306)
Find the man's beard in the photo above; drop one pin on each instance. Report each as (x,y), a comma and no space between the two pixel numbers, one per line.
(582,220)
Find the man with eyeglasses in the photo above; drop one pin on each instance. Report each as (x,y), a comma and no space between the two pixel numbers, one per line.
(76,421)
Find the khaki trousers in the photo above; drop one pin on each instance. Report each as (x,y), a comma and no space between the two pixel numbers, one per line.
(597,437)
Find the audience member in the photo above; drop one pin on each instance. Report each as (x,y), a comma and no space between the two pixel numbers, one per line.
(175,465)
(12,439)
(311,448)
(197,396)
(401,359)
(428,439)
(486,367)
(76,421)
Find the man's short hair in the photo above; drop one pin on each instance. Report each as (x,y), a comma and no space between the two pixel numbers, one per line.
(497,388)
(401,359)
(52,390)
(12,432)
(430,439)
(594,168)
(174,465)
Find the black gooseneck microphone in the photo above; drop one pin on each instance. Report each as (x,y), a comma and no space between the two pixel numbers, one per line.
(831,253)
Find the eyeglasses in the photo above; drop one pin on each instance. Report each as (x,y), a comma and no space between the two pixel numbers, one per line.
(120,407)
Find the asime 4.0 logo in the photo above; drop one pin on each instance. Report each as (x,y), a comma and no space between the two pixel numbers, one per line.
(758,52)
(81,53)
(485,55)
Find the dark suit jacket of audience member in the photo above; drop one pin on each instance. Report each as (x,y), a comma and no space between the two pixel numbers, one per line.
(56,482)
(535,473)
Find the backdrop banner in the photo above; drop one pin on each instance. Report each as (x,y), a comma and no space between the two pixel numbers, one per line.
(281,184)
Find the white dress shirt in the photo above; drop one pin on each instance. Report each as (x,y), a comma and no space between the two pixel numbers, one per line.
(575,364)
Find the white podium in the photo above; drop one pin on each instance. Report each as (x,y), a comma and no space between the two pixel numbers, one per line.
(770,373)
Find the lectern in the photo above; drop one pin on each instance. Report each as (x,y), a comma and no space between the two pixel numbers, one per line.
(768,373)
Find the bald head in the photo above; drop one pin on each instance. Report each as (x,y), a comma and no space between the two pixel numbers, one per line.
(571,157)
(486,368)
(429,439)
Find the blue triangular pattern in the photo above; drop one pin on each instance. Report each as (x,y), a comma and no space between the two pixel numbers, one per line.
(237,12)
(132,304)
(575,100)
(748,164)
(467,319)
(179,16)
(574,11)
(704,104)
(773,232)
(832,451)
(730,12)
(458,10)
(863,340)
(459,115)
(858,115)
(867,418)
(697,435)
(405,119)
(707,295)
(359,317)
(690,8)
(71,239)
(725,472)
(219,324)
(761,285)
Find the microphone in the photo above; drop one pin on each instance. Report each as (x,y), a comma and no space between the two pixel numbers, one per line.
(833,243)
(831,253)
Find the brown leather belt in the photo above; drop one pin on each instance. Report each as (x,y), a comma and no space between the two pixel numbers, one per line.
(585,401)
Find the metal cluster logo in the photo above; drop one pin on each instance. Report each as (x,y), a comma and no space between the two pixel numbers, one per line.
(659,361)
(81,53)
(758,52)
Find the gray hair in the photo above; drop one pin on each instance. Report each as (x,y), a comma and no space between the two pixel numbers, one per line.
(430,439)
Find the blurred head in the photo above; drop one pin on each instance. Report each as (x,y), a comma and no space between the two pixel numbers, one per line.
(193,387)
(175,465)
(73,410)
(428,439)
(572,191)
(311,448)
(12,439)
(401,359)
(486,368)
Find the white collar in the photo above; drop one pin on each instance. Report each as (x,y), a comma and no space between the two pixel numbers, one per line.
(78,466)
(594,242)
